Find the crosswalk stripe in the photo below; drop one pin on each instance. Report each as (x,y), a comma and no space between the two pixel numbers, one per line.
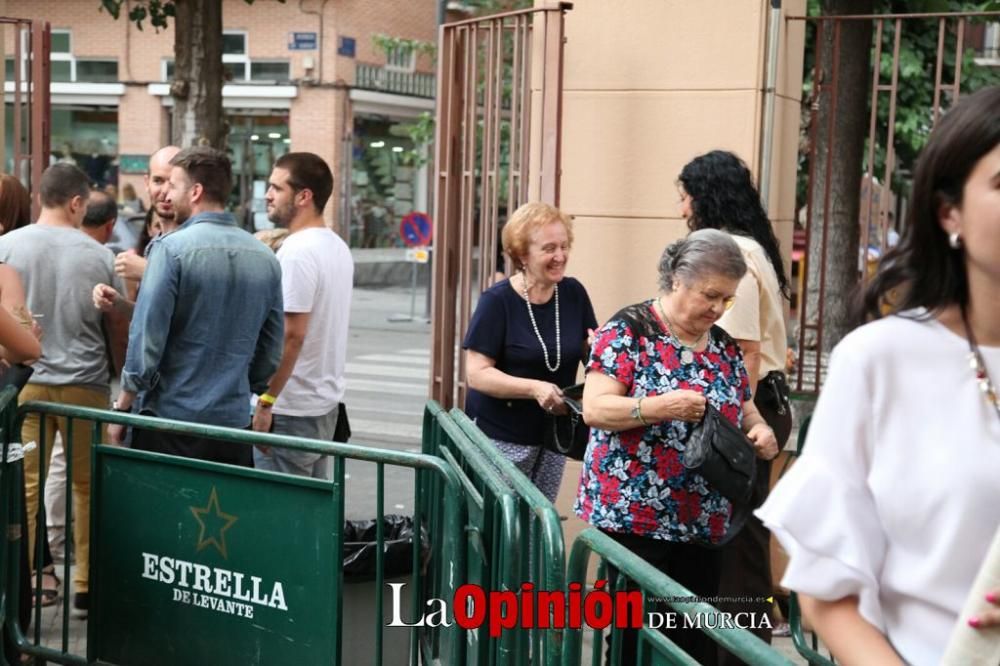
(377,411)
(416,352)
(391,358)
(390,371)
(362,427)
(385,387)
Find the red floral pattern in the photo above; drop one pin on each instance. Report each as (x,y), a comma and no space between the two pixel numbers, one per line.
(634,481)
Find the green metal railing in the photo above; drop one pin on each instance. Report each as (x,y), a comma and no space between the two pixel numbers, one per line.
(808,649)
(543,549)
(447,560)
(492,530)
(653,646)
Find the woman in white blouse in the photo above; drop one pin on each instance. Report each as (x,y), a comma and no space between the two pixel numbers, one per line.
(889,513)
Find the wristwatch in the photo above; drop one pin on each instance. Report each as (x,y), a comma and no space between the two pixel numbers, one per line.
(637,411)
(116,408)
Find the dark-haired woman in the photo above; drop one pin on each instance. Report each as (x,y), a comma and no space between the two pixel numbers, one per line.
(717,192)
(889,513)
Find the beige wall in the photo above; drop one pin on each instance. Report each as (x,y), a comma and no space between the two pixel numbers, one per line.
(648,85)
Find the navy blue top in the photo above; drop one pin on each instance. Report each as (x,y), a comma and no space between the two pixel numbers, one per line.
(501,330)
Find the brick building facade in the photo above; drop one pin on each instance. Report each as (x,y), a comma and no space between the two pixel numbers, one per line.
(300,76)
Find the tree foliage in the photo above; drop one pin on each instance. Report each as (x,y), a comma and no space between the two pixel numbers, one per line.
(914,113)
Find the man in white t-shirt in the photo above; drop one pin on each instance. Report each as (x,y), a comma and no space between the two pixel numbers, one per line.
(317,274)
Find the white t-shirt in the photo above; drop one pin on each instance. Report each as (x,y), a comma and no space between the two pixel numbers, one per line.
(317,275)
(896,496)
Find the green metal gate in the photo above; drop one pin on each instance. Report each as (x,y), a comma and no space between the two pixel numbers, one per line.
(200,562)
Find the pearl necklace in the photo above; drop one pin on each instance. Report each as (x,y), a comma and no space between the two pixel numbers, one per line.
(978,366)
(534,325)
(687,351)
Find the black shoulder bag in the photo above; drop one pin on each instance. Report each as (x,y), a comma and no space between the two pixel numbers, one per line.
(567,434)
(720,452)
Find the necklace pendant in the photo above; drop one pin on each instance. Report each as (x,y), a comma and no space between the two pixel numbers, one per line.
(687,356)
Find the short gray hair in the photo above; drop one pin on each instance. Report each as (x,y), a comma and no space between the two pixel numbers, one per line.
(700,254)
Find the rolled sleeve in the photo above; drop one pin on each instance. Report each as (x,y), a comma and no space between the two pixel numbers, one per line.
(270,341)
(150,327)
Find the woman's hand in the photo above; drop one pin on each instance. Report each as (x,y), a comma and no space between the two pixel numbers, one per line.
(989,617)
(765,444)
(549,397)
(680,405)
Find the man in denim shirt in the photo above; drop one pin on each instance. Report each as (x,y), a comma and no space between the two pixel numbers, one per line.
(208,325)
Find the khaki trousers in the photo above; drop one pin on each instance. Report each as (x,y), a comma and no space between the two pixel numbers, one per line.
(77,450)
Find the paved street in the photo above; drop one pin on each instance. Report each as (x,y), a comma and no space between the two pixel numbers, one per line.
(388,370)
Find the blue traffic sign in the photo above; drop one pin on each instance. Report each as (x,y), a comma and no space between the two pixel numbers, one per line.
(415,229)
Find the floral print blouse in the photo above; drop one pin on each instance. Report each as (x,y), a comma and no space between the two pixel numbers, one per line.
(634,481)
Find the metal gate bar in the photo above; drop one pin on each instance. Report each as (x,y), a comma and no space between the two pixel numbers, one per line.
(813,337)
(483,146)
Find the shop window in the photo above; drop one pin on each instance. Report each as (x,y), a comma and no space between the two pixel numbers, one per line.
(97,71)
(383,186)
(269,70)
(255,142)
(87,136)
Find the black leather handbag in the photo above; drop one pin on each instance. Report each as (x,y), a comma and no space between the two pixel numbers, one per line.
(720,452)
(567,434)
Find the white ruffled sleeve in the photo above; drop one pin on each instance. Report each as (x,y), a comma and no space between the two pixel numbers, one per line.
(822,511)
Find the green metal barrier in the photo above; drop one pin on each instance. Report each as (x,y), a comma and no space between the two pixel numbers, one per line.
(492,529)
(170,533)
(543,549)
(653,647)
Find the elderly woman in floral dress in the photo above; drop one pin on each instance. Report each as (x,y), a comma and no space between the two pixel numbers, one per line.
(653,369)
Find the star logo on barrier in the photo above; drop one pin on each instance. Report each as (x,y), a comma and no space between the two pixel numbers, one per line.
(214,522)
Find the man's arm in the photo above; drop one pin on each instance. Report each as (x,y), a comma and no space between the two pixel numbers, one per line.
(151,324)
(116,324)
(296,325)
(270,343)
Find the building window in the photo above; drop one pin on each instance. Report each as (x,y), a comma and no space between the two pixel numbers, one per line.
(97,71)
(257,71)
(270,70)
(61,43)
(234,43)
(401,59)
(235,62)
(63,66)
(67,68)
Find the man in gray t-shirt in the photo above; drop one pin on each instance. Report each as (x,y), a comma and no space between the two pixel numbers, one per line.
(59,265)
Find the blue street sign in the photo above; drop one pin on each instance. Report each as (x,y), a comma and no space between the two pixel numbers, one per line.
(302,41)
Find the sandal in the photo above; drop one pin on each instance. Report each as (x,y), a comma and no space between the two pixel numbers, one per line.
(49,592)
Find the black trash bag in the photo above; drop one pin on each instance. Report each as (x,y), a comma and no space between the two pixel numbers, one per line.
(361,548)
